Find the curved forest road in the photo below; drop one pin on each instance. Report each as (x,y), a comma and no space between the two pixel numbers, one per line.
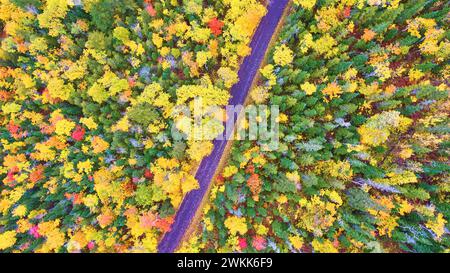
(239,92)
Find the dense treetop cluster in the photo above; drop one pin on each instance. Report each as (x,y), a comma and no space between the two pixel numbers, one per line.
(362,164)
(87,91)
